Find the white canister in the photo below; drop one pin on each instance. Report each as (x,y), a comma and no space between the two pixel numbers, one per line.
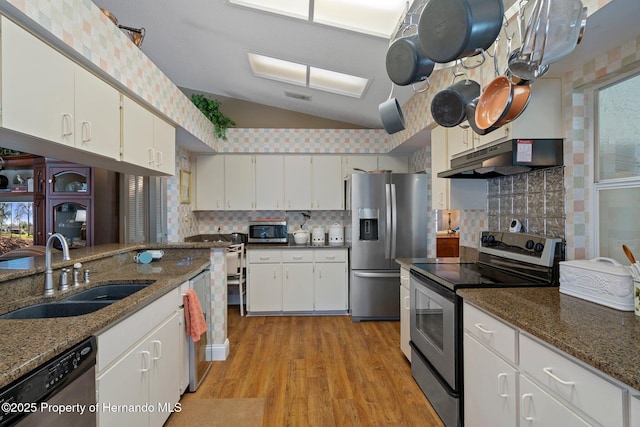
(336,234)
(317,235)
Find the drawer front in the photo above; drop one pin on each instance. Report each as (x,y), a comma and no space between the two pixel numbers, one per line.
(405,274)
(634,406)
(584,389)
(297,256)
(330,255)
(539,409)
(264,256)
(115,341)
(490,331)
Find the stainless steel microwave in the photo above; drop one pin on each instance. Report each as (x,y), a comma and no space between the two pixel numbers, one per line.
(268,232)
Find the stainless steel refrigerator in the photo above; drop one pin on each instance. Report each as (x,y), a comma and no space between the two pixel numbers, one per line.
(388,221)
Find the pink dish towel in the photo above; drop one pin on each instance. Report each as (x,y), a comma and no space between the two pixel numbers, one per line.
(193,316)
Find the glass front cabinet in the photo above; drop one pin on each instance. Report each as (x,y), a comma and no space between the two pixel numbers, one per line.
(69,204)
(70,220)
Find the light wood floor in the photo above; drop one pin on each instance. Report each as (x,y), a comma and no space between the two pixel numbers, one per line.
(319,371)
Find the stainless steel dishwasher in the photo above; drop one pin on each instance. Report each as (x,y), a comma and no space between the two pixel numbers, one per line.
(60,392)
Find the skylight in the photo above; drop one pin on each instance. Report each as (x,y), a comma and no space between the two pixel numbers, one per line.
(374,17)
(305,75)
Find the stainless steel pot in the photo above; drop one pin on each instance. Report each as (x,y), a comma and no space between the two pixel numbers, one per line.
(454,29)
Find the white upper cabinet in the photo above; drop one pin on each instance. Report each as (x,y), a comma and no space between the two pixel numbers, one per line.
(97,115)
(365,162)
(164,144)
(137,134)
(37,87)
(269,182)
(297,182)
(396,164)
(46,95)
(460,139)
(439,163)
(328,188)
(147,140)
(239,182)
(209,183)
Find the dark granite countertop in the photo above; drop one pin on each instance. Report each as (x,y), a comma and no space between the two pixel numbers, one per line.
(605,338)
(293,245)
(25,344)
(406,262)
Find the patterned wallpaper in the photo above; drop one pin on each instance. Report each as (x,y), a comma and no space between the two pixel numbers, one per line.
(306,141)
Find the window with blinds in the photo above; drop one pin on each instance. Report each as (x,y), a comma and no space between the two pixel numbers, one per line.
(135,209)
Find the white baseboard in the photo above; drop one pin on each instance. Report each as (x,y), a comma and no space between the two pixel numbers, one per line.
(218,351)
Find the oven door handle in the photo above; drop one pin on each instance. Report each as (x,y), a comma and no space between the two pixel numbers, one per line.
(376,275)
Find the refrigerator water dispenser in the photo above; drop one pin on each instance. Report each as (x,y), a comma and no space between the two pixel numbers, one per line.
(368,224)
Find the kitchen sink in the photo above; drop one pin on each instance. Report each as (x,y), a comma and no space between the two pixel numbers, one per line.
(108,292)
(56,309)
(84,302)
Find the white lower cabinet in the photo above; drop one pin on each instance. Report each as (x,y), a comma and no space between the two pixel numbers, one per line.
(297,289)
(330,280)
(137,371)
(491,396)
(538,408)
(634,408)
(296,280)
(265,290)
(405,312)
(572,383)
(513,379)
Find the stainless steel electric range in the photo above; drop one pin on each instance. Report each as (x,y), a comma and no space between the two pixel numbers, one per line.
(505,260)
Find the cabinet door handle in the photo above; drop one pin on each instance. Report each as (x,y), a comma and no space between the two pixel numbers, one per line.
(146,361)
(265,258)
(330,257)
(523,399)
(483,330)
(157,350)
(558,379)
(86,131)
(151,158)
(297,257)
(407,303)
(274,274)
(501,381)
(67,124)
(158,158)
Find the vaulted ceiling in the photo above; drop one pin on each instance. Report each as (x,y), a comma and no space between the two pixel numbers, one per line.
(203,46)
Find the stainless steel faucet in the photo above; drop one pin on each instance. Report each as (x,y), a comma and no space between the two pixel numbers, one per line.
(48,273)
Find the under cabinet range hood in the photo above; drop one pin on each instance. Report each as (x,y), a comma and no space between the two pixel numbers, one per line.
(507,158)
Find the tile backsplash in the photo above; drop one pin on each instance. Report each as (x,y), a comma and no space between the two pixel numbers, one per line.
(212,222)
(534,198)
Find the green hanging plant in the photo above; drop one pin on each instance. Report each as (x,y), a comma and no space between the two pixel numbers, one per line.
(209,107)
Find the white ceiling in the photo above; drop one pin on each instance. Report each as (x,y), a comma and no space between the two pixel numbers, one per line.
(202,45)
